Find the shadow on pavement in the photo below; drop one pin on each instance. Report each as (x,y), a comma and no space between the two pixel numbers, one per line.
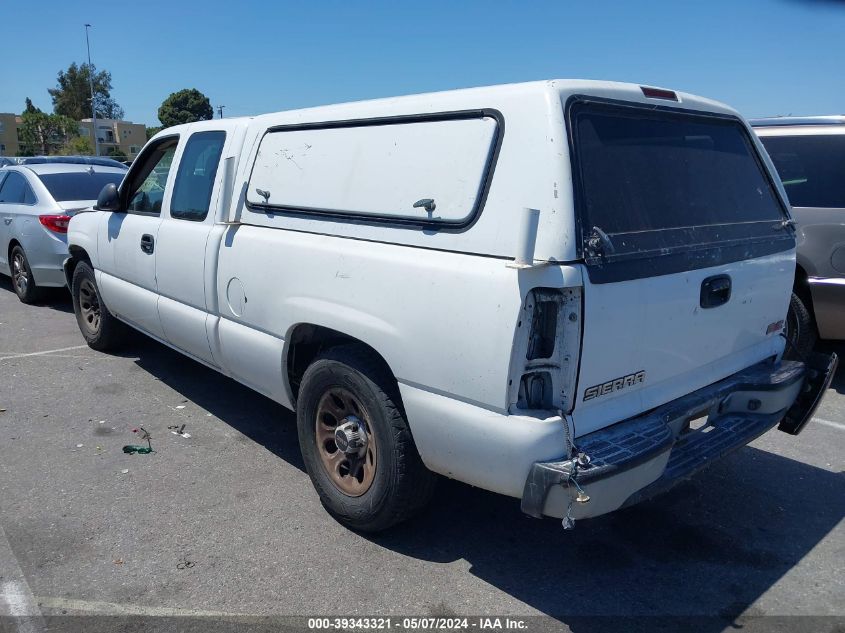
(259,418)
(709,547)
(53,298)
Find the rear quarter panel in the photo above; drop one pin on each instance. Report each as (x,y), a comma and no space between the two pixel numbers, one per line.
(443,321)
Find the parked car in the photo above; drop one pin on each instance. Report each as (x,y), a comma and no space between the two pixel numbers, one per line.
(5,160)
(75,160)
(535,288)
(809,154)
(36,204)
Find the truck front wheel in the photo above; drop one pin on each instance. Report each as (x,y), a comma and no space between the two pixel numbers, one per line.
(356,443)
(101,330)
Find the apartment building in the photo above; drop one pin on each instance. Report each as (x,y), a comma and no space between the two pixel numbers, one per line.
(9,139)
(125,136)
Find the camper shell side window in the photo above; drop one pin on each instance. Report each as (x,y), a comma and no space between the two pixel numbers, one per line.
(430,170)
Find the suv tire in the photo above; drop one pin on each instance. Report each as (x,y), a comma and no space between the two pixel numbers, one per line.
(800,330)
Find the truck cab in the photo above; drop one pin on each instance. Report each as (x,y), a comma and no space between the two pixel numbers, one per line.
(569,292)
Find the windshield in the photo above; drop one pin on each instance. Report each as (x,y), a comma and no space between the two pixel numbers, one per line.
(812,168)
(79,185)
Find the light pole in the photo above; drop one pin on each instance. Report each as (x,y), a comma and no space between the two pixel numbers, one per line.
(220,110)
(93,102)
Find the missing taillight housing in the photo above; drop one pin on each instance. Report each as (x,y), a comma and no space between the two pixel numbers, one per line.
(541,340)
(545,352)
(535,391)
(56,223)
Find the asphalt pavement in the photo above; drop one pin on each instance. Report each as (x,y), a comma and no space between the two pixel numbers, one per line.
(225,522)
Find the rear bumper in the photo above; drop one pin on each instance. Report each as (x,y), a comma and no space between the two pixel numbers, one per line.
(643,456)
(46,253)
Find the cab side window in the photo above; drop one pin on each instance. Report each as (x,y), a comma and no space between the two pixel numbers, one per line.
(16,190)
(146,185)
(196,175)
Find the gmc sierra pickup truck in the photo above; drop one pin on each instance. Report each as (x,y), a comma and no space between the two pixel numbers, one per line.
(569,292)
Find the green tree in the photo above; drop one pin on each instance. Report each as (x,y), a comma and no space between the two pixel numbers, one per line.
(152,131)
(117,154)
(185,106)
(72,94)
(46,134)
(29,107)
(77,146)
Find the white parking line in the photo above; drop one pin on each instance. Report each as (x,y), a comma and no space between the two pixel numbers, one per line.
(830,423)
(111,608)
(16,599)
(49,351)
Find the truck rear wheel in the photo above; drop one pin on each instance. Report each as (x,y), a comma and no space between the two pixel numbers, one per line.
(800,331)
(99,327)
(356,443)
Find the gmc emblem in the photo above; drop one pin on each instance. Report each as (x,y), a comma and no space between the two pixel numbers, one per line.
(614,385)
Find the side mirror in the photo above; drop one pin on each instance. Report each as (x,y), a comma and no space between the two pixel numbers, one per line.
(109,199)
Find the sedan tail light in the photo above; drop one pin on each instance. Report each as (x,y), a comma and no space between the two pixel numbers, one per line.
(56,223)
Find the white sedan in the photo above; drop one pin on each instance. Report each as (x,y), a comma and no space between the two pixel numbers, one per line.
(36,204)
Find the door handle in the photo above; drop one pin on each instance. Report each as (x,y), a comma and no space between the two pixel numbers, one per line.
(147,243)
(715,291)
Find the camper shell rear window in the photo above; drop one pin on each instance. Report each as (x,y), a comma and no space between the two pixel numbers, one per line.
(423,170)
(661,190)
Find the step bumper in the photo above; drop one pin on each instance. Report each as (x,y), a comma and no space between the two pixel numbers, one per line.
(646,455)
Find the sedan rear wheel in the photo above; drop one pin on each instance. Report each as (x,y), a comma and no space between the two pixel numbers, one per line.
(22,280)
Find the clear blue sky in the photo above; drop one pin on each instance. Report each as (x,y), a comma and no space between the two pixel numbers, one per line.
(764,57)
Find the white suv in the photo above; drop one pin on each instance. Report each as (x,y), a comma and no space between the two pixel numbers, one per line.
(569,292)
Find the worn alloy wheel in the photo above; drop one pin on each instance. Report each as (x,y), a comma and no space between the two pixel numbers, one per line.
(345,442)
(22,279)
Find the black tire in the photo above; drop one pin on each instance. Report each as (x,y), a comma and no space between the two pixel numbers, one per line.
(400,484)
(800,330)
(100,328)
(22,280)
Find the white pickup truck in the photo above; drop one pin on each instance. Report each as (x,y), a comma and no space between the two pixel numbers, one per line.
(569,292)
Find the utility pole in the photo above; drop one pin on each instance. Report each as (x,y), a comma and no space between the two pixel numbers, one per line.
(220,110)
(93,102)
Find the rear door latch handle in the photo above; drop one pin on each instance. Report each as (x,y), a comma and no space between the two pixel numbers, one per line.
(715,291)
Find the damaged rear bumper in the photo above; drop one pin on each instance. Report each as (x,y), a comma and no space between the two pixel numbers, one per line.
(643,456)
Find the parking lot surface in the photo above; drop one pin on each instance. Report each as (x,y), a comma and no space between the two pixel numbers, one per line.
(226,521)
